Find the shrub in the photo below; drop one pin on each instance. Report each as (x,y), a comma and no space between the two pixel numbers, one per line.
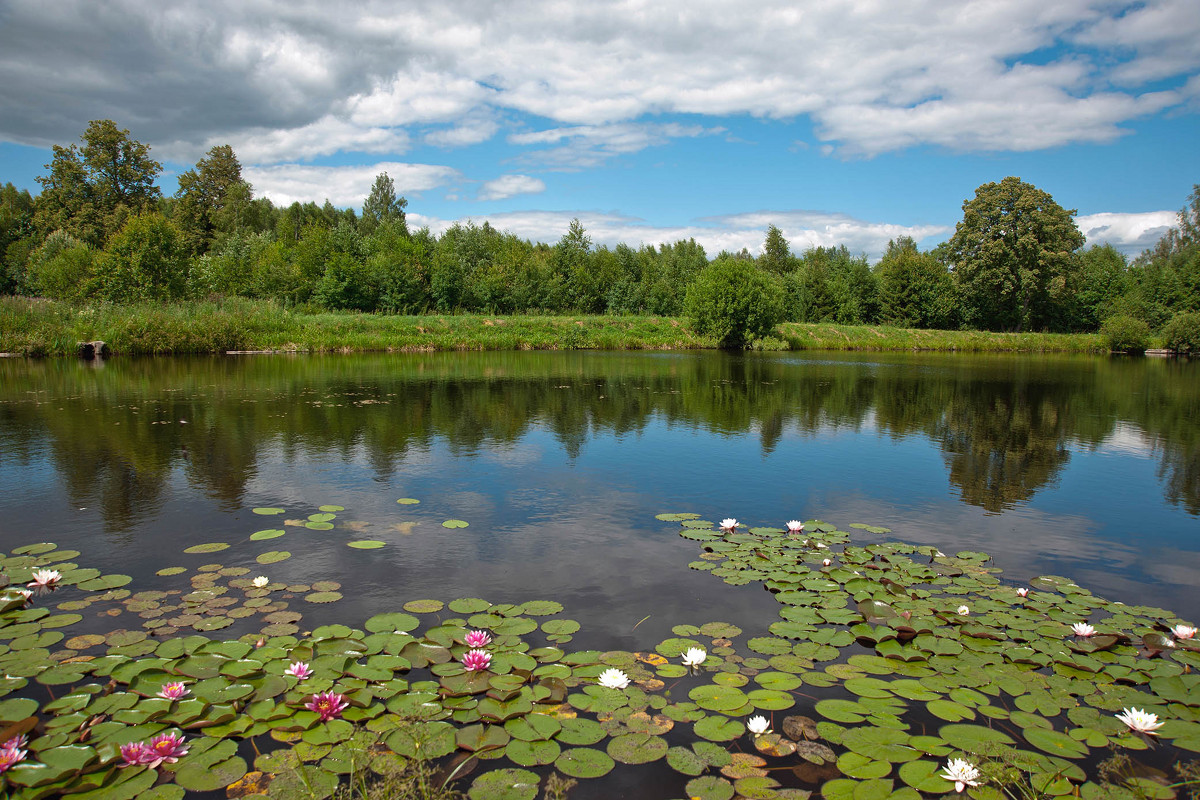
(734,301)
(1182,334)
(1124,334)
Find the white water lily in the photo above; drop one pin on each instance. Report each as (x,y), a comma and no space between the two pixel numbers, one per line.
(964,610)
(260,581)
(728,524)
(1140,721)
(44,577)
(1183,631)
(827,562)
(694,657)
(1083,629)
(758,725)
(962,772)
(795,526)
(613,679)
(1022,592)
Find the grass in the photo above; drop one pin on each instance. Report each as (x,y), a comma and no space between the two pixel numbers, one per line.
(36,327)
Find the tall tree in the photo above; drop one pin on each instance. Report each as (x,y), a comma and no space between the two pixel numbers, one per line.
(383,206)
(915,290)
(1012,253)
(91,190)
(212,198)
(776,254)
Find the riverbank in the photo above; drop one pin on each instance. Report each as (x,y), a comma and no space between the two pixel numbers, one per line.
(35,327)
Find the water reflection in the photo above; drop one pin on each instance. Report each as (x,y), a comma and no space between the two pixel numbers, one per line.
(1006,426)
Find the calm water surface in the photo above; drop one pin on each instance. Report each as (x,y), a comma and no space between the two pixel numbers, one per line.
(559,461)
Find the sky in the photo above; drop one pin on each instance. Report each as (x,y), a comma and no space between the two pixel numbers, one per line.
(839,121)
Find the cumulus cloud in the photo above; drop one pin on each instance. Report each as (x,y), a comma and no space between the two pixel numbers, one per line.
(509,185)
(976,75)
(1129,233)
(803,229)
(584,146)
(345,187)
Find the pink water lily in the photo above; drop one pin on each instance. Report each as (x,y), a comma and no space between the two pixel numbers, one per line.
(476,660)
(10,756)
(133,753)
(298,669)
(173,691)
(1183,631)
(1083,629)
(166,748)
(15,743)
(44,578)
(328,704)
(477,639)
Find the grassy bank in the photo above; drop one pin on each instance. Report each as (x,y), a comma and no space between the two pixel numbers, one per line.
(42,328)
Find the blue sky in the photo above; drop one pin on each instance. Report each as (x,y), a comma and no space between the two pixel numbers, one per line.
(846,122)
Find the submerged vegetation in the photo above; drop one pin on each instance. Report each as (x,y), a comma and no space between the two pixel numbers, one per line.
(891,671)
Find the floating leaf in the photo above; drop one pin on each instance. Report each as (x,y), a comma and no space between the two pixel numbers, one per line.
(267,512)
(273,556)
(407,501)
(270,533)
(366,544)
(210,547)
(505,784)
(454,523)
(584,762)
(709,787)
(424,606)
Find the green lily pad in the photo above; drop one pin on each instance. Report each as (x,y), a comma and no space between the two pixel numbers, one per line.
(366,544)
(273,556)
(505,784)
(210,547)
(454,523)
(584,762)
(709,787)
(270,533)
(407,501)
(267,511)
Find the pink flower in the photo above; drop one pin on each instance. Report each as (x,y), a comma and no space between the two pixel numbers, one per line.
(1022,592)
(478,639)
(134,753)
(298,669)
(1184,631)
(44,578)
(328,704)
(476,660)
(173,691)
(26,593)
(15,743)
(1083,629)
(164,748)
(10,756)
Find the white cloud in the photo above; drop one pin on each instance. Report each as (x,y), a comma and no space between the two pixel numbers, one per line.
(324,137)
(584,146)
(803,229)
(873,77)
(345,187)
(509,185)
(1130,233)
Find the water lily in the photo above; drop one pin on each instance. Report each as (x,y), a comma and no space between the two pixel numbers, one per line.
(298,669)
(260,582)
(26,593)
(962,772)
(166,748)
(939,554)
(15,743)
(43,578)
(728,524)
(1140,721)
(478,639)
(173,691)
(133,753)
(1183,631)
(613,679)
(694,656)
(10,756)
(795,526)
(827,562)
(328,704)
(758,725)
(1083,629)
(476,660)
(964,610)
(1022,592)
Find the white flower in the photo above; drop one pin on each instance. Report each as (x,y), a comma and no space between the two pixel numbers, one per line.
(613,679)
(1022,592)
(1140,721)
(44,577)
(260,581)
(694,657)
(728,524)
(758,725)
(1183,631)
(964,610)
(795,526)
(826,562)
(962,772)
(1083,629)
(939,554)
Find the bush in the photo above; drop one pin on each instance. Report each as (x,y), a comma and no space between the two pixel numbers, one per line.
(1124,334)
(734,301)
(1182,334)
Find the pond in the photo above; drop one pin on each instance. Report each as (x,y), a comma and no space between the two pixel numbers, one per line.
(538,476)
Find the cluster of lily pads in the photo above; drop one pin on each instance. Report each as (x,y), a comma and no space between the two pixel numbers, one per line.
(892,670)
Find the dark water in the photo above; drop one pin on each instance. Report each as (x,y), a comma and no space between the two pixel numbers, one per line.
(559,461)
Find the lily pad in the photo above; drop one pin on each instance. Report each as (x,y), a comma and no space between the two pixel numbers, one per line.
(505,784)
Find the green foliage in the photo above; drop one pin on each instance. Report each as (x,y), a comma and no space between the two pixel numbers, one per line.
(1125,334)
(915,289)
(1011,254)
(830,285)
(145,260)
(1182,334)
(16,229)
(776,255)
(734,302)
(383,207)
(62,268)
(1099,280)
(212,199)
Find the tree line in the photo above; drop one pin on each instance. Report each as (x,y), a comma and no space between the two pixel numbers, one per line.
(101,229)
